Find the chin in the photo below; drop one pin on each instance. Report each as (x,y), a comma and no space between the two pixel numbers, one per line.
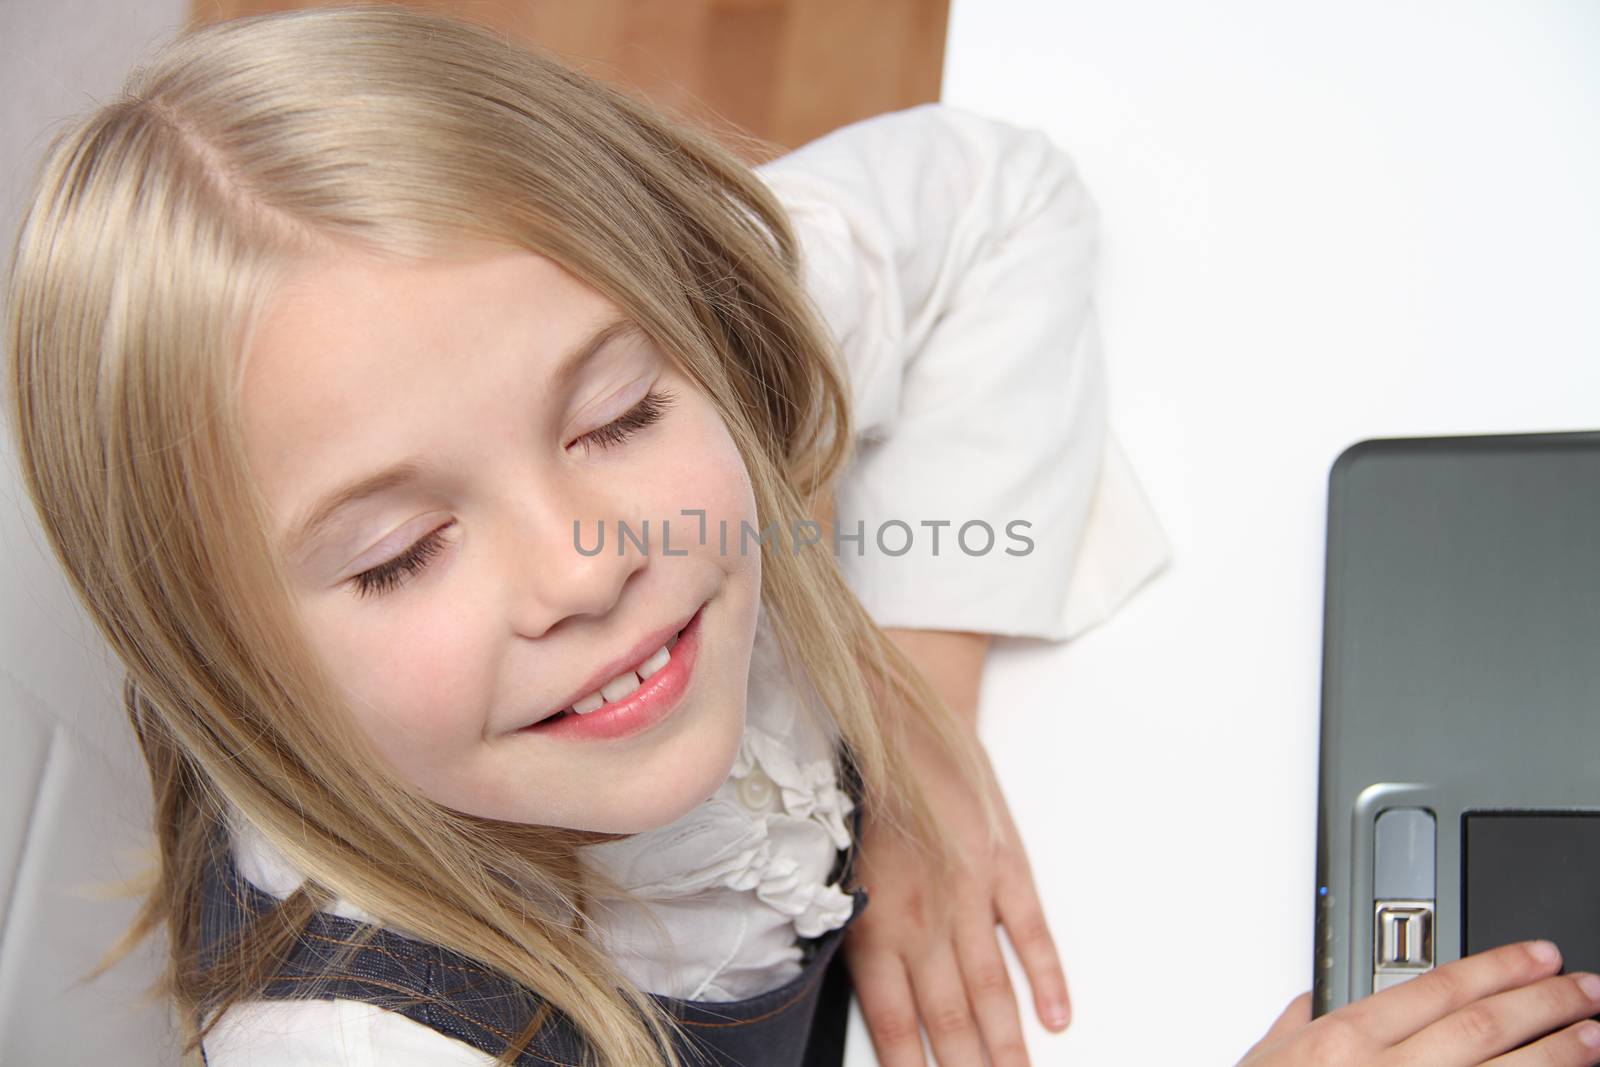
(696,776)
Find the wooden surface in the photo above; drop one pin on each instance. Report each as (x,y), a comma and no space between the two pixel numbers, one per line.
(784,71)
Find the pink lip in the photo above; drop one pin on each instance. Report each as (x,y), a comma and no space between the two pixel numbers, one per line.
(655,699)
(627,661)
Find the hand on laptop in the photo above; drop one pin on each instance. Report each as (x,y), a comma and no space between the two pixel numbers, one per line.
(1475,1010)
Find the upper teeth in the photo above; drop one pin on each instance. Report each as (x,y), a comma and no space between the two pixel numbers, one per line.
(627,681)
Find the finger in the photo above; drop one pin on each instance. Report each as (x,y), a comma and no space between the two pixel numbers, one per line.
(989,990)
(1576,1046)
(883,990)
(942,1001)
(1393,1015)
(1017,904)
(1501,1022)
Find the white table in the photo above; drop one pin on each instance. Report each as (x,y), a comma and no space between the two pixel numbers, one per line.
(1321,223)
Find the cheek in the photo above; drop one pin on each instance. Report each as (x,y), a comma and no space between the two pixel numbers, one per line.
(414,685)
(699,468)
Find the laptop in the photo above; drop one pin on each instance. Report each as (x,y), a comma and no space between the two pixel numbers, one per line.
(1459,785)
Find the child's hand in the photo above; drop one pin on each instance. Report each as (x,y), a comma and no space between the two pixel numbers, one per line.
(1466,1012)
(927,955)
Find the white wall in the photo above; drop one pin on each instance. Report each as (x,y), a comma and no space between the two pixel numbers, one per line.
(1322,223)
(73,794)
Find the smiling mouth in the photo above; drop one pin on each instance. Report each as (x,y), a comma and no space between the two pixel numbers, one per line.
(642,708)
(623,685)
(641,674)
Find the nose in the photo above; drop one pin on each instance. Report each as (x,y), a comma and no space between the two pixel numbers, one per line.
(572,554)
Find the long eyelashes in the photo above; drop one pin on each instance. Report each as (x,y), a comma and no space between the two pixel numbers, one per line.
(647,411)
(387,576)
(394,573)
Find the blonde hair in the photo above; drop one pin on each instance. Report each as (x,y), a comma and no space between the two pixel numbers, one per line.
(159,227)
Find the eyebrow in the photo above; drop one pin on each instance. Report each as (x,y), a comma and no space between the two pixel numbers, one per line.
(414,468)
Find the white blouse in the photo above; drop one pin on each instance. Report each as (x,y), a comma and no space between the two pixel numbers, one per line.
(952,256)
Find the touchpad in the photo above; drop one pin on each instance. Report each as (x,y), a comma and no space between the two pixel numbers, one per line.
(1532,875)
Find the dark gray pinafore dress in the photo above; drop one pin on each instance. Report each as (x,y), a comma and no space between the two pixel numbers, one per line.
(799,1024)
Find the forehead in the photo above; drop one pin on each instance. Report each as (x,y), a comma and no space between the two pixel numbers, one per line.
(332,310)
(356,358)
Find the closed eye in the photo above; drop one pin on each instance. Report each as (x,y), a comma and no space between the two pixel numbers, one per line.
(647,411)
(387,576)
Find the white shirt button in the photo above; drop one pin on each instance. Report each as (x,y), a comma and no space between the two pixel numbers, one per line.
(757,791)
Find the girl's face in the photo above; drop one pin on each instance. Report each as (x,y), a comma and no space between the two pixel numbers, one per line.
(450,599)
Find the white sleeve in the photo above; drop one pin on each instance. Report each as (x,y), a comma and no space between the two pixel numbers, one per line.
(331,1033)
(953,258)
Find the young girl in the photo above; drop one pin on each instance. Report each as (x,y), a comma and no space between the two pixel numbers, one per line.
(437,436)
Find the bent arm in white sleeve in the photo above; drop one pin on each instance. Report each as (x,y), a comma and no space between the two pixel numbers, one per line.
(953,257)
